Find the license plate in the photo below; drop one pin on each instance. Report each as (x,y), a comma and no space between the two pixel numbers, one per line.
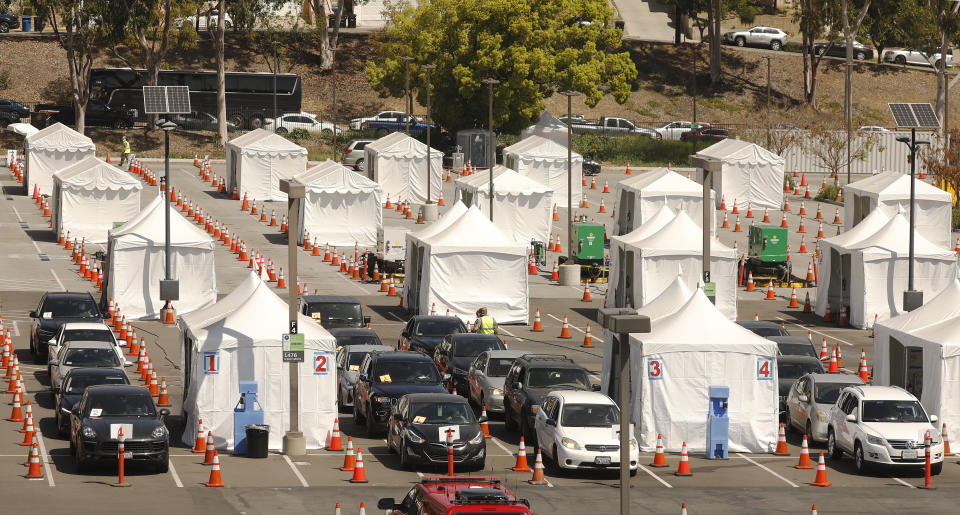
(128,455)
(908,455)
(602,460)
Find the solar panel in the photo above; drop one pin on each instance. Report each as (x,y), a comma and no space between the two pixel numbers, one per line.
(914,116)
(926,117)
(166,99)
(178,99)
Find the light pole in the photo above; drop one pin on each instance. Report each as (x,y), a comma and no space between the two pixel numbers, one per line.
(768,100)
(169,288)
(428,67)
(693,124)
(333,105)
(408,105)
(912,299)
(276,65)
(570,247)
(492,144)
(294,443)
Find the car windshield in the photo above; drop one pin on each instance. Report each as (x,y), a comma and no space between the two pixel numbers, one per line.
(498,367)
(441,413)
(795,370)
(766,331)
(796,349)
(417,372)
(589,415)
(827,393)
(70,307)
(552,377)
(338,311)
(438,327)
(893,411)
(104,405)
(91,358)
(474,346)
(88,335)
(345,340)
(354,359)
(77,384)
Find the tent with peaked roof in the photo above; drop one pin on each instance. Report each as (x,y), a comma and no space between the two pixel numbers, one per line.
(90,196)
(398,163)
(239,339)
(549,127)
(257,160)
(523,208)
(136,261)
(866,269)
(341,207)
(890,192)
(466,264)
(645,262)
(641,196)
(687,351)
(920,352)
(49,151)
(750,174)
(545,161)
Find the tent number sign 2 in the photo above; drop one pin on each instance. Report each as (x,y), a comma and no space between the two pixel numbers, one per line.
(292,348)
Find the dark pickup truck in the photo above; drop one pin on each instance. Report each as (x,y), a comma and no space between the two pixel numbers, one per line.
(12,111)
(385,126)
(98,114)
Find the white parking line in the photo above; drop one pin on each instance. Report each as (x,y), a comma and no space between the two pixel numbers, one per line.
(394,315)
(568,322)
(818,332)
(176,477)
(19,218)
(296,472)
(54,274)
(48,470)
(654,476)
(500,445)
(785,480)
(902,482)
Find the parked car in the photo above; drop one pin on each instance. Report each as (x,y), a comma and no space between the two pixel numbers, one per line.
(82,354)
(356,124)
(199,121)
(81,331)
(206,23)
(332,311)
(384,126)
(705,134)
(810,399)
(349,359)
(839,49)
(97,114)
(421,423)
(610,125)
(795,346)
(485,378)
(386,376)
(763,328)
(770,37)
(789,369)
(103,409)
(577,118)
(12,111)
(448,495)
(581,430)
(673,130)
(923,57)
(424,332)
(74,384)
(349,336)
(54,310)
(457,351)
(8,21)
(306,121)
(873,128)
(590,167)
(353,155)
(882,426)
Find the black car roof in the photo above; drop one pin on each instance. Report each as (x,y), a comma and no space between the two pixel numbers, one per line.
(436,397)
(118,389)
(474,336)
(348,331)
(758,323)
(67,294)
(798,359)
(418,318)
(789,339)
(398,355)
(548,360)
(96,372)
(330,299)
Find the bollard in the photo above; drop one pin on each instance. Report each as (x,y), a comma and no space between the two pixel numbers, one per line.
(926,462)
(120,456)
(450,452)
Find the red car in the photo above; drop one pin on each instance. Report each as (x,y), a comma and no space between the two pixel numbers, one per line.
(445,495)
(705,134)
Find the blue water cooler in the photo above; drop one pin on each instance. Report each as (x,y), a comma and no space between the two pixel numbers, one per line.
(718,424)
(247,411)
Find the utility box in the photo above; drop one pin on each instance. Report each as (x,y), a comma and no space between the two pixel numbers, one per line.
(475,144)
(767,243)
(586,241)
(718,424)
(247,411)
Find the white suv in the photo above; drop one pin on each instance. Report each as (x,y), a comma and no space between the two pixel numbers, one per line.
(882,425)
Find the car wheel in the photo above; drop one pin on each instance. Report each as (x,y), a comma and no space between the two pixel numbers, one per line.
(936,468)
(341,408)
(554,462)
(775,45)
(256,123)
(83,466)
(357,417)
(819,51)
(633,472)
(164,465)
(809,431)
(859,56)
(4,27)
(404,460)
(281,130)
(529,435)
(61,430)
(832,449)
(360,166)
(863,466)
(73,448)
(39,357)
(371,428)
(741,42)
(900,60)
(508,422)
(236,119)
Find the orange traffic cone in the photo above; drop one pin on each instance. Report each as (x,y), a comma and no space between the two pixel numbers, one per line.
(771,295)
(586,294)
(17,414)
(684,468)
(537,323)
(807,308)
(606,186)
(793,299)
(538,478)
(821,478)
(946,441)
(211,451)
(349,459)
(281,281)
(725,224)
(736,228)
(215,479)
(828,315)
(833,362)
(555,276)
(36,469)
(836,217)
(749,209)
(603,209)
(628,168)
(802,229)
(587,337)
(862,369)
(804,463)
(359,475)
(782,443)
(484,424)
(803,208)
(335,443)
(164,399)
(783,221)
(842,319)
(521,465)
(736,210)
(750,284)
(659,458)
(201,443)
(565,329)
(556,216)
(28,434)
(766,216)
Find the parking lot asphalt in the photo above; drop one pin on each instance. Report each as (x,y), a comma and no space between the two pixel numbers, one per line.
(31,262)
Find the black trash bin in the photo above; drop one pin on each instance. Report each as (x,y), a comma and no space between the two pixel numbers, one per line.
(352,21)
(258,438)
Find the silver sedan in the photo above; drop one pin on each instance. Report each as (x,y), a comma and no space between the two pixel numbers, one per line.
(486,375)
(810,399)
(348,366)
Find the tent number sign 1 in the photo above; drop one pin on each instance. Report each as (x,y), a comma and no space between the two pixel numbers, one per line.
(292,348)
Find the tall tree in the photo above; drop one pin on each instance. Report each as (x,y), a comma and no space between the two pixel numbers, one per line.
(931,25)
(218,45)
(880,25)
(812,17)
(850,30)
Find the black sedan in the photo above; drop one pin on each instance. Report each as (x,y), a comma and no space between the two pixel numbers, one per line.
(763,328)
(95,422)
(199,121)
(839,49)
(74,384)
(8,21)
(347,336)
(590,167)
(424,332)
(386,376)
(457,351)
(54,310)
(419,428)
(705,134)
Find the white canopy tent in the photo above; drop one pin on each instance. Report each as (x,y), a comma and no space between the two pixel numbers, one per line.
(866,269)
(750,174)
(523,208)
(674,365)
(659,254)
(341,207)
(413,238)
(49,151)
(549,127)
(23,129)
(238,339)
(890,191)
(257,160)
(90,197)
(136,263)
(545,161)
(398,163)
(456,269)
(641,196)
(920,351)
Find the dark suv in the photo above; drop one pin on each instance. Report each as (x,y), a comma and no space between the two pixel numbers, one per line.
(457,351)
(386,376)
(12,111)
(54,310)
(531,377)
(424,332)
(332,311)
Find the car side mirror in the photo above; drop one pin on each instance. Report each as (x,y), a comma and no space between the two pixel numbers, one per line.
(362,377)
(366,320)
(519,386)
(75,411)
(447,377)
(803,398)
(933,419)
(33,314)
(56,390)
(52,341)
(164,412)
(551,422)
(54,362)
(851,418)
(405,334)
(595,387)
(386,503)
(127,363)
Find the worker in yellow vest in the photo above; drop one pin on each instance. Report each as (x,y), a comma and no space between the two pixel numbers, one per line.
(485,323)
(124,151)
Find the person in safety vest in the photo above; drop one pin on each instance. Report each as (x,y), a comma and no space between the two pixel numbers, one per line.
(485,323)
(124,151)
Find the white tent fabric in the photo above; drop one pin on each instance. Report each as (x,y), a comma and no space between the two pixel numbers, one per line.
(49,151)
(549,127)
(890,191)
(750,174)
(674,365)
(545,161)
(414,238)
(90,196)
(398,163)
(238,339)
(920,351)
(660,253)
(23,129)
(523,208)
(466,265)
(866,269)
(136,263)
(257,160)
(641,196)
(341,207)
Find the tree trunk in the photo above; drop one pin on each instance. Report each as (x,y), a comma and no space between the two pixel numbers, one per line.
(221,78)
(676,25)
(942,75)
(153,57)
(713,24)
(335,37)
(326,54)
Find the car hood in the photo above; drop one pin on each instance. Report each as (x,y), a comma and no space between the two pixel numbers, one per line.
(397,390)
(142,426)
(901,431)
(54,323)
(463,363)
(431,432)
(609,435)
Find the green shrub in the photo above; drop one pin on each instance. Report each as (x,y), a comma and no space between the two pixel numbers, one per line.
(748,13)
(956,218)
(619,150)
(4,79)
(299,134)
(828,193)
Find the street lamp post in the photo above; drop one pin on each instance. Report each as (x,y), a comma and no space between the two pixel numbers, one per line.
(333,105)
(169,288)
(570,247)
(276,65)
(912,299)
(492,144)
(408,104)
(768,101)
(428,67)
(693,124)
(294,443)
